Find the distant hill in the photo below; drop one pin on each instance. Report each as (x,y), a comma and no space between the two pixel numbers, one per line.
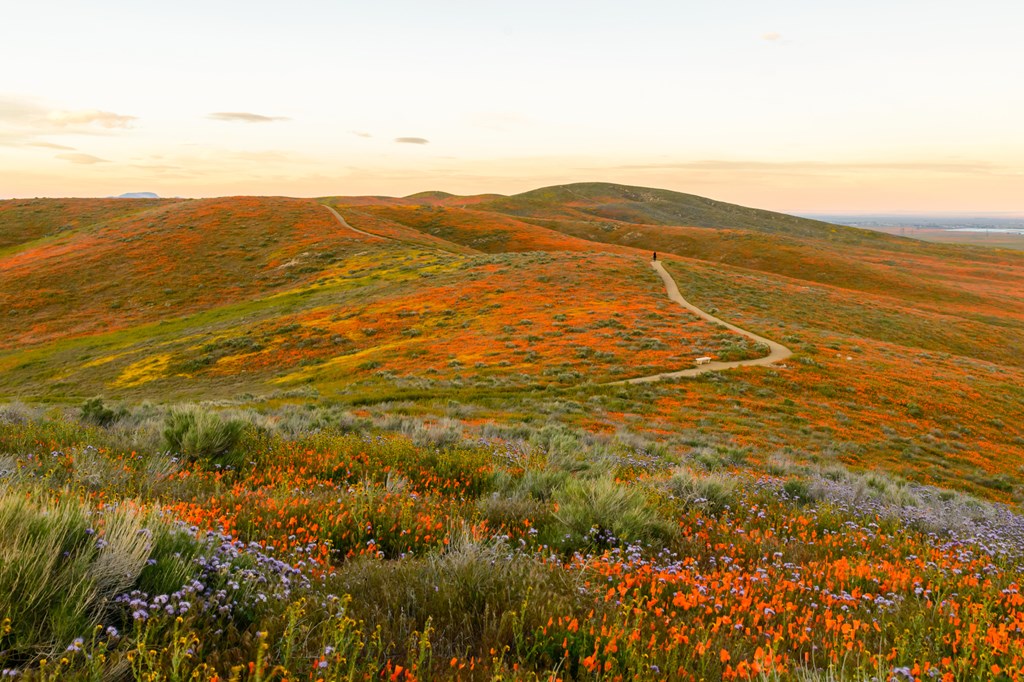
(138,195)
(647,206)
(573,206)
(610,217)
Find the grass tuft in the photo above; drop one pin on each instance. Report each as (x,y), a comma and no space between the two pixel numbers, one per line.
(204,435)
(601,513)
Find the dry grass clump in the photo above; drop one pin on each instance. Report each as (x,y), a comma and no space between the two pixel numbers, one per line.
(61,564)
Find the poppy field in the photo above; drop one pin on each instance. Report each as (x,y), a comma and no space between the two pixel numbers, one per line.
(242,441)
(351,552)
(399,317)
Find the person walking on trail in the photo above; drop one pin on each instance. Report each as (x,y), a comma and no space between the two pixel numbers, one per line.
(655,256)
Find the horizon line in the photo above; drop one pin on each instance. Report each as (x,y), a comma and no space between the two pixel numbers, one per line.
(799,212)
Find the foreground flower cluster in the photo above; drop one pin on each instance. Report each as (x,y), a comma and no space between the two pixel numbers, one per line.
(365,556)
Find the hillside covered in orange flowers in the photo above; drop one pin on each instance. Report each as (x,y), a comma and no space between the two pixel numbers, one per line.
(908,355)
(364,438)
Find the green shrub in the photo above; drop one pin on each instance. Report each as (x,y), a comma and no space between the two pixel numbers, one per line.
(572,451)
(95,412)
(501,511)
(541,484)
(708,457)
(715,491)
(477,598)
(797,489)
(172,560)
(599,512)
(200,434)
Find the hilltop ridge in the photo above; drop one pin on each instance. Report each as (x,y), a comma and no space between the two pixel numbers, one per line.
(595,201)
(645,205)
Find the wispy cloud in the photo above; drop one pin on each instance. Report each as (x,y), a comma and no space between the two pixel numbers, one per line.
(50,145)
(245,117)
(28,122)
(86,159)
(412,140)
(359,133)
(87,117)
(772,37)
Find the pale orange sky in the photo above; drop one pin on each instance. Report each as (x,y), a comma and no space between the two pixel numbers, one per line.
(793,106)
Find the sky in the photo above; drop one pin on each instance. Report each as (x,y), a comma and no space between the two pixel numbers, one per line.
(788,105)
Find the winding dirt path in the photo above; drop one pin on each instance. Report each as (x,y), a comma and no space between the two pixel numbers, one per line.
(777,351)
(354,229)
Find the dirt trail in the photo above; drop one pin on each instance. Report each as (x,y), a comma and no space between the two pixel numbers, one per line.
(777,352)
(354,229)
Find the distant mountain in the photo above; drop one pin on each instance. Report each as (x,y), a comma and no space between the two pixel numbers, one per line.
(138,195)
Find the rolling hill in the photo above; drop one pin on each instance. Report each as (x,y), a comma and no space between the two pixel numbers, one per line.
(395,438)
(437,296)
(646,206)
